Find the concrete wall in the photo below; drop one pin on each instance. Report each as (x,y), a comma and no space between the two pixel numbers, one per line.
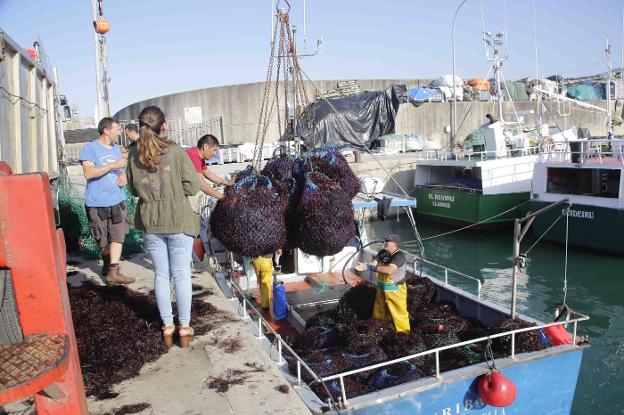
(29,133)
(240,107)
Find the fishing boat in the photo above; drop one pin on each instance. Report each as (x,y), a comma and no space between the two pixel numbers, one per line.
(489,180)
(589,172)
(591,177)
(316,285)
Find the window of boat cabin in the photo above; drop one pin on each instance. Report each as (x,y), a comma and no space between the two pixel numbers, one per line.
(586,182)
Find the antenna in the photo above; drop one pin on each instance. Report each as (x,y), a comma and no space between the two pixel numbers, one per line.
(608,86)
(495,41)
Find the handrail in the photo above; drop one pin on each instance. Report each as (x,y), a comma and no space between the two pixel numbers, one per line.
(481,155)
(281,344)
(445,268)
(588,150)
(437,350)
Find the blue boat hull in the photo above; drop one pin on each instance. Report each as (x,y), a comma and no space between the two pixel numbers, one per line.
(545,387)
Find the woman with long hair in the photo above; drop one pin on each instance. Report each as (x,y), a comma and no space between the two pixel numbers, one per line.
(162,176)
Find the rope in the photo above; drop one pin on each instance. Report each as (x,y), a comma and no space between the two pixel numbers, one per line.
(542,235)
(471,225)
(489,356)
(32,105)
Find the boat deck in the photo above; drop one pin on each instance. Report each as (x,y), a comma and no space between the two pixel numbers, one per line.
(314,284)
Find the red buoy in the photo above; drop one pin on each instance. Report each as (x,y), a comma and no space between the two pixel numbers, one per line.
(558,335)
(496,389)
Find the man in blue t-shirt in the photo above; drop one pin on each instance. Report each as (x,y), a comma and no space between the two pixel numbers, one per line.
(104,169)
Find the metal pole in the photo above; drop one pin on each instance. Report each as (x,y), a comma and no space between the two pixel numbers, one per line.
(97,65)
(515,269)
(454,107)
(609,121)
(498,82)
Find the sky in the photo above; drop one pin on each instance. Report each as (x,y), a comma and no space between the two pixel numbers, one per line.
(158,47)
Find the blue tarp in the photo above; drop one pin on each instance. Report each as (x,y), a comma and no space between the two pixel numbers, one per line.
(422,94)
(587,91)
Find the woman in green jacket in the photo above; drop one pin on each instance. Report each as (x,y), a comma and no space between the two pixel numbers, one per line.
(162,176)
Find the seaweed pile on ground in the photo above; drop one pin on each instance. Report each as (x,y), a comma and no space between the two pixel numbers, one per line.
(233,377)
(324,216)
(249,219)
(346,338)
(130,409)
(109,321)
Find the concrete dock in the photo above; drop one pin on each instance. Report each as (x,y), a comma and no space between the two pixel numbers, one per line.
(177,383)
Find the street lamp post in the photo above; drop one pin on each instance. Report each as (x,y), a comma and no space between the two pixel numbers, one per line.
(454,120)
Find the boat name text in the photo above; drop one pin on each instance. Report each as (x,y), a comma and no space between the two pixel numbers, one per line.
(470,406)
(443,201)
(580,214)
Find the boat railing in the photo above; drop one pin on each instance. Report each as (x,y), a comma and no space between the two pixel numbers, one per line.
(264,327)
(450,187)
(447,271)
(436,352)
(582,151)
(476,155)
(417,260)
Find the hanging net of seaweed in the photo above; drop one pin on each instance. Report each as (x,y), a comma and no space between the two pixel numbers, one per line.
(75,223)
(329,161)
(324,217)
(249,219)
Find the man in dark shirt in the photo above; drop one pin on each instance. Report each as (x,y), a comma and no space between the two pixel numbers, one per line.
(132,132)
(391,297)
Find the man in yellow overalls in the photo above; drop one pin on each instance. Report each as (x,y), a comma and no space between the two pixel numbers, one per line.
(263,266)
(391,297)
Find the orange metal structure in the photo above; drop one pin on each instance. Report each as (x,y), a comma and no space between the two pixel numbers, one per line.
(46,363)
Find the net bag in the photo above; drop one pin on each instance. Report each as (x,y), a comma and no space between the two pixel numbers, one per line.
(329,161)
(250,218)
(324,217)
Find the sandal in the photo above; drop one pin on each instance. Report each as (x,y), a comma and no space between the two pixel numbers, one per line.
(186,334)
(168,330)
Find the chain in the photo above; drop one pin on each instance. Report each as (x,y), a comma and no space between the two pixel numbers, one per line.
(264,113)
(287,67)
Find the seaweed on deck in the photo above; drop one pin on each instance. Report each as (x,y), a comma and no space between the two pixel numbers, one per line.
(346,338)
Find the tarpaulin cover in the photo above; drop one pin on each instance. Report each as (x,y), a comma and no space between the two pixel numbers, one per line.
(361,118)
(587,91)
(422,94)
(445,84)
(515,89)
(479,84)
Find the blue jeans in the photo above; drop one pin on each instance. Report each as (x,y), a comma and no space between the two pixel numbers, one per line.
(171,256)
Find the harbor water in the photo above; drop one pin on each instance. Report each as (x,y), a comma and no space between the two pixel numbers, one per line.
(594,288)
